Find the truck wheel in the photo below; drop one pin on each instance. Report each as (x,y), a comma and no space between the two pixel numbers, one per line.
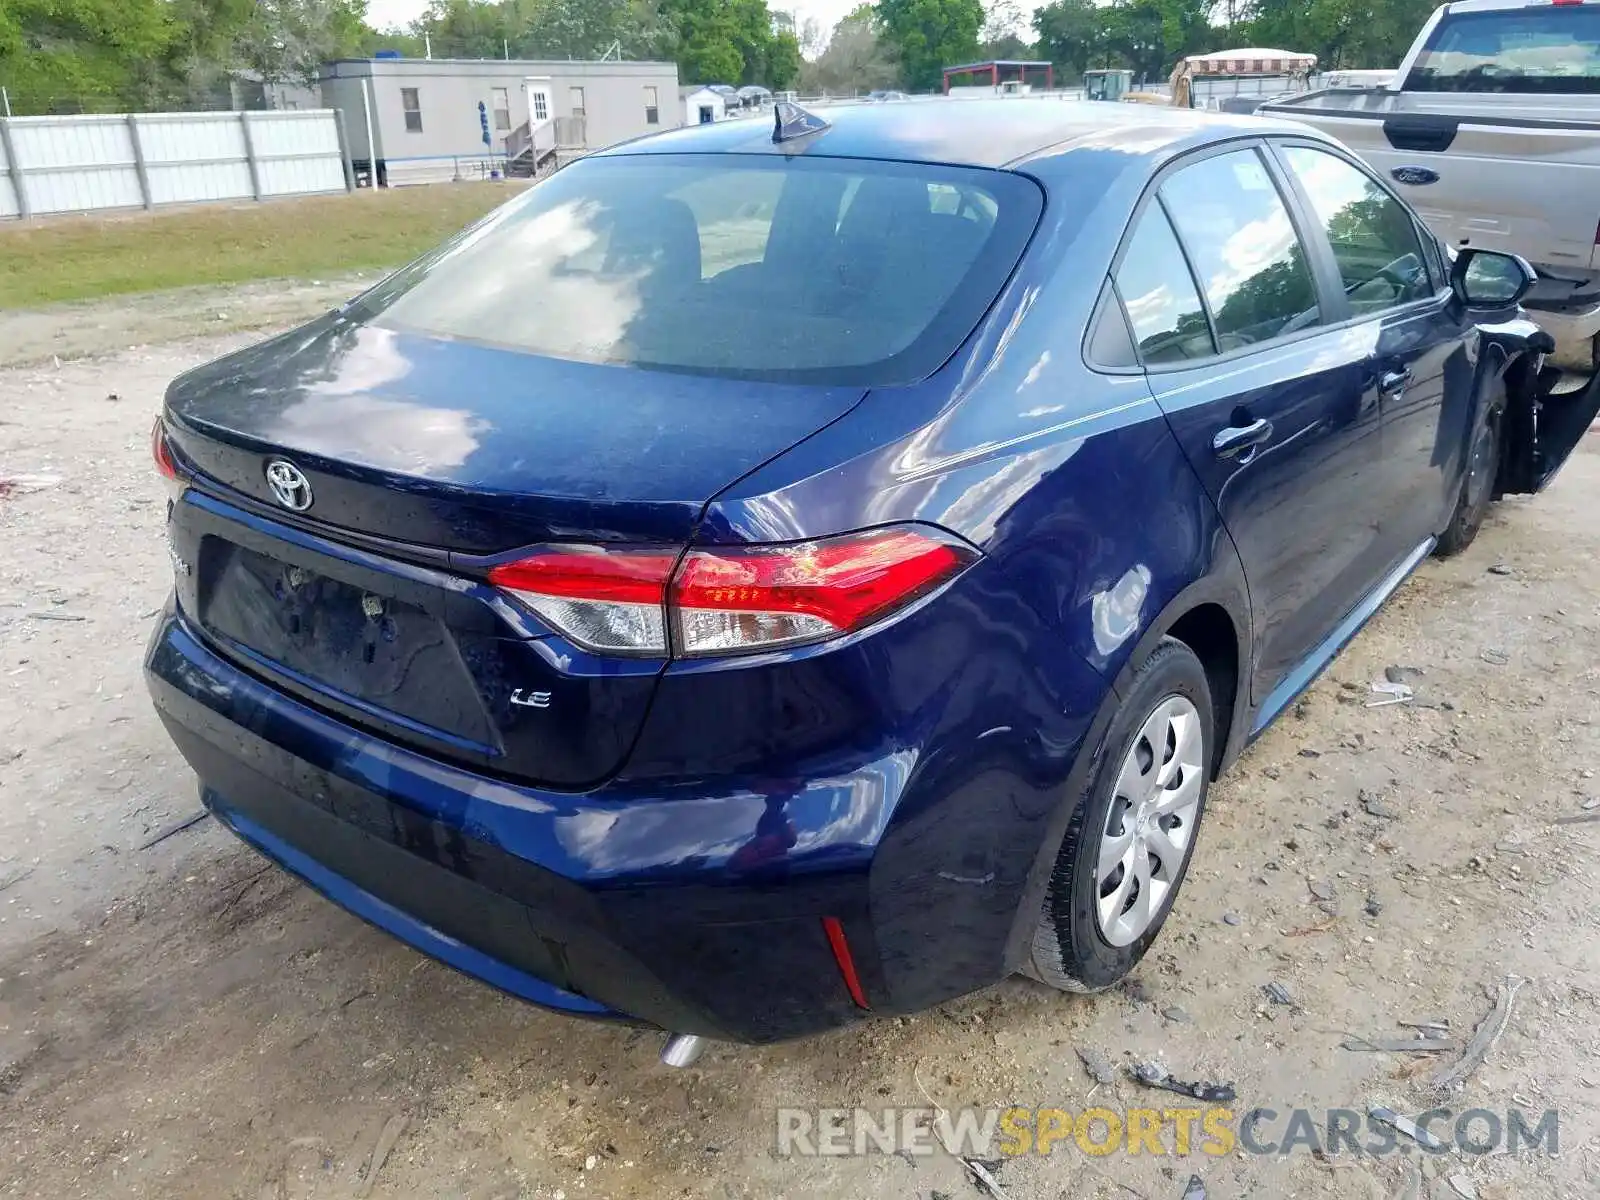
(1477,483)
(1129,843)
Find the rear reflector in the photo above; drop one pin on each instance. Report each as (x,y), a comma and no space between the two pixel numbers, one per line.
(841,955)
(733,600)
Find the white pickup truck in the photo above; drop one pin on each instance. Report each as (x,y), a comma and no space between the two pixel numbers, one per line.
(1491,128)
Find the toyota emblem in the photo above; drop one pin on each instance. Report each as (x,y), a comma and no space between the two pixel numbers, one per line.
(289,485)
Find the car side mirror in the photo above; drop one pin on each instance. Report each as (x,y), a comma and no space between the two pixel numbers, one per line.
(1490,279)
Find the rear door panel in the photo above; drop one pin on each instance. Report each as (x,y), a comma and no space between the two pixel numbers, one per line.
(1303,498)
(1302,510)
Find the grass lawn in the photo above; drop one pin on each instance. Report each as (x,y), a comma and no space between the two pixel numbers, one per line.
(52,259)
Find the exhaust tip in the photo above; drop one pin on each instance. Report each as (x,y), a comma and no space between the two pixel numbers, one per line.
(683,1050)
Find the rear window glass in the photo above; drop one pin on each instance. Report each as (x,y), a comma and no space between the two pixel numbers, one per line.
(827,270)
(1552,49)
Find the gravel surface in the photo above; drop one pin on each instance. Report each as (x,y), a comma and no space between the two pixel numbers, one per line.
(176,1020)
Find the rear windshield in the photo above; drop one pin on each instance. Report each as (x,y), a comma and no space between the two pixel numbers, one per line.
(1552,49)
(755,266)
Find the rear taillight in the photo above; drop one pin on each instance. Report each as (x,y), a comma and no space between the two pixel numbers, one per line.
(725,601)
(162,453)
(733,600)
(613,601)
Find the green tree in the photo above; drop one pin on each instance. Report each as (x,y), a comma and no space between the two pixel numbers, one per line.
(473,29)
(855,60)
(707,34)
(402,41)
(729,41)
(1341,33)
(590,28)
(1004,24)
(926,36)
(200,52)
(783,62)
(289,40)
(1150,36)
(1147,36)
(1071,34)
(67,55)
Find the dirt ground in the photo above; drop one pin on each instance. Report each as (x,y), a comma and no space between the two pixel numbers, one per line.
(177,1020)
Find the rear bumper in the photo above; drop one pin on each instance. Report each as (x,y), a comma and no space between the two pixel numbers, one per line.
(693,914)
(696,907)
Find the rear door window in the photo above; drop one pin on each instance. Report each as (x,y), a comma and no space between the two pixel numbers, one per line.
(1374,238)
(836,271)
(1548,48)
(1242,242)
(1169,321)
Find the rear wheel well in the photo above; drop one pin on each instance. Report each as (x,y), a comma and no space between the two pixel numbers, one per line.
(1208,631)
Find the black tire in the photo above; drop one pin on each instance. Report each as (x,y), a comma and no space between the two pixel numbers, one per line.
(1478,479)
(1070,950)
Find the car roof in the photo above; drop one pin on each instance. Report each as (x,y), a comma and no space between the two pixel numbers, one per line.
(1003,132)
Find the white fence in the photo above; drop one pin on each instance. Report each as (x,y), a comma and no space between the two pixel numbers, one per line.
(140,160)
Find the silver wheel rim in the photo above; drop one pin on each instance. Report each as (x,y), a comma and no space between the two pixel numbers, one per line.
(1151,822)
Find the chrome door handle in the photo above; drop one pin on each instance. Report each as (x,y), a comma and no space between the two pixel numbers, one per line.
(1236,439)
(1392,383)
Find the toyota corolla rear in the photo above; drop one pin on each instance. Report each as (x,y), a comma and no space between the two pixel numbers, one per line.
(450,642)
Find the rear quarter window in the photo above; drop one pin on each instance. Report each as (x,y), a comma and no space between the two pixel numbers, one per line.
(1163,306)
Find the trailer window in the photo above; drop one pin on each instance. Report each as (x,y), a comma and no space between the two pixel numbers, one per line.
(1550,49)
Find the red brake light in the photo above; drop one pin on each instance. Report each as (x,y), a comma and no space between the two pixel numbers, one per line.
(725,601)
(160,452)
(613,601)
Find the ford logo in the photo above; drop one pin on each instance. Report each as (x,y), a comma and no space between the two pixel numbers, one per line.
(1414,176)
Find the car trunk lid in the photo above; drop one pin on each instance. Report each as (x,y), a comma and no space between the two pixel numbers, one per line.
(474,449)
(426,460)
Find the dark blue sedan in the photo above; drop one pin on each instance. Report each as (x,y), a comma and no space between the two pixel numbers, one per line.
(760,579)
